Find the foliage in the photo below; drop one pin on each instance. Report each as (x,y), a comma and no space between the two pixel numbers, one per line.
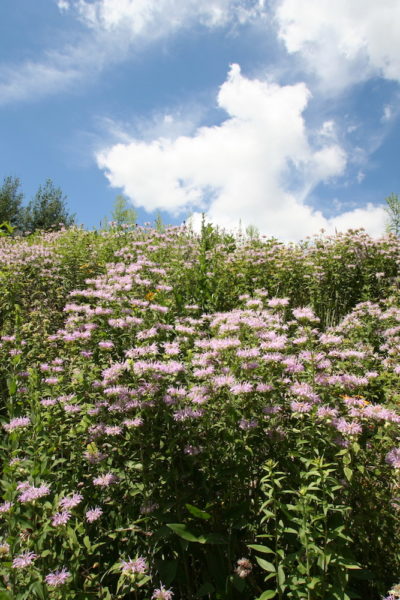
(123,213)
(6,229)
(393,211)
(205,415)
(47,210)
(10,201)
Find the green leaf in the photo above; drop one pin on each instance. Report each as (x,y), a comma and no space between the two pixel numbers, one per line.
(72,535)
(38,588)
(12,386)
(181,530)
(281,576)
(264,564)
(350,566)
(261,548)
(167,570)
(205,589)
(267,595)
(197,512)
(348,473)
(212,538)
(86,542)
(314,581)
(145,579)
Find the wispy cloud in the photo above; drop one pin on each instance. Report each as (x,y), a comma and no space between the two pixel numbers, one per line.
(34,80)
(63,5)
(156,18)
(56,71)
(114,30)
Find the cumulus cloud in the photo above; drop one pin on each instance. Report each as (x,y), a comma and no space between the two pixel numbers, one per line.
(342,42)
(256,167)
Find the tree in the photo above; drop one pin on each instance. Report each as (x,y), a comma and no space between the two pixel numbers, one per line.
(252,233)
(10,201)
(393,211)
(123,213)
(47,210)
(158,223)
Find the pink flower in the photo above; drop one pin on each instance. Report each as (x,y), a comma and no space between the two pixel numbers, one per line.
(275,302)
(61,518)
(248,423)
(326,411)
(192,450)
(264,387)
(72,408)
(51,380)
(71,502)
(222,380)
(171,348)
(304,313)
(133,422)
(241,388)
(23,560)
(31,493)
(105,480)
(5,507)
(48,401)
(57,578)
(162,594)
(134,566)
(393,458)
(17,423)
(244,567)
(347,427)
(106,345)
(93,514)
(112,430)
(301,407)
(187,413)
(248,353)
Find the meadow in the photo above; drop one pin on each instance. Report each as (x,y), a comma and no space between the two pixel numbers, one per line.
(199,416)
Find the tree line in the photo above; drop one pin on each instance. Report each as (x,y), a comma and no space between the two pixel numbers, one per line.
(47,210)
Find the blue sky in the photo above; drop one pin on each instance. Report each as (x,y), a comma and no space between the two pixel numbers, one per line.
(281,114)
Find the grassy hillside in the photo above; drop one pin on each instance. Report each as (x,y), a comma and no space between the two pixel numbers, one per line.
(199,416)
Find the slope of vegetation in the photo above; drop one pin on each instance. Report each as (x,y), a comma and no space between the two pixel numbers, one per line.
(199,416)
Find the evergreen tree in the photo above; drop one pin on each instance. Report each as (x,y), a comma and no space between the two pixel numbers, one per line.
(10,201)
(47,210)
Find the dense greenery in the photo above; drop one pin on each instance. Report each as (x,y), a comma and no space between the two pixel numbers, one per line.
(199,416)
(10,201)
(46,211)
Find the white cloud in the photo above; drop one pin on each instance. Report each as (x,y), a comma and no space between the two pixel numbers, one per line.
(32,80)
(63,5)
(114,30)
(240,170)
(344,41)
(155,18)
(387,113)
(360,176)
(372,218)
